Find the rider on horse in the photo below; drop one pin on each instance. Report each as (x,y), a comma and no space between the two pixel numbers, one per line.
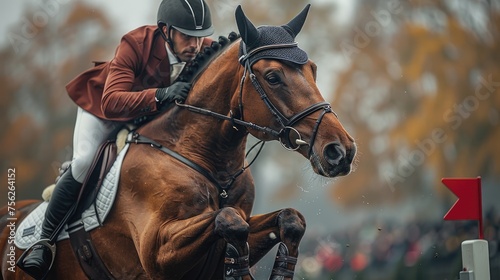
(137,82)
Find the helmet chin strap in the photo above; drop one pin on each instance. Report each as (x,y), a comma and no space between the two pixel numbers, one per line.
(169,41)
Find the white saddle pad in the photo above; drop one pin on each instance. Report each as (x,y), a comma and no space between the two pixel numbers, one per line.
(30,228)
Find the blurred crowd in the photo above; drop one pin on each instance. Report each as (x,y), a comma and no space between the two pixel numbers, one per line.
(384,250)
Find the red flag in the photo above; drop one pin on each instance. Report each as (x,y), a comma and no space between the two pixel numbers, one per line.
(468,205)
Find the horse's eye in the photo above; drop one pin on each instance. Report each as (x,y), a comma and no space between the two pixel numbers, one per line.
(273,79)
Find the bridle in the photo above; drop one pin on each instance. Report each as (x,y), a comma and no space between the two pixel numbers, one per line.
(286,123)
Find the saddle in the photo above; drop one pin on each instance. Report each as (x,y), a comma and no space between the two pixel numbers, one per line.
(91,208)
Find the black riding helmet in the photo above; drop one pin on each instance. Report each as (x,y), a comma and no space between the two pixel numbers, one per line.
(190,17)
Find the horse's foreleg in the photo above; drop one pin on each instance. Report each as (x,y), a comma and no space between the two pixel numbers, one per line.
(183,243)
(175,248)
(232,227)
(286,227)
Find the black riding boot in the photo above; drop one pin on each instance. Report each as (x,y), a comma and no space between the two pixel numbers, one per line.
(65,194)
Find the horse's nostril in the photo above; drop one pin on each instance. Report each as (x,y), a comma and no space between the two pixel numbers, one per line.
(334,153)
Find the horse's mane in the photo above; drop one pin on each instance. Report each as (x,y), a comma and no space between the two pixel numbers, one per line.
(203,58)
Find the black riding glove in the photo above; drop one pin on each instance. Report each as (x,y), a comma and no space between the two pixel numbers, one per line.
(177,91)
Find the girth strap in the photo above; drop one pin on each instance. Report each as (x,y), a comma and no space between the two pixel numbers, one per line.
(136,138)
(87,256)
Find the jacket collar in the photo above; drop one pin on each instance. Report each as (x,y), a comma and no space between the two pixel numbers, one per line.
(159,50)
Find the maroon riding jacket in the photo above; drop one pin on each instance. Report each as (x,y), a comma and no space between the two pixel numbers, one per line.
(124,88)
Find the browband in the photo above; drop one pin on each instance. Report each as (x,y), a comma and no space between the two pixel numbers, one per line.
(262,48)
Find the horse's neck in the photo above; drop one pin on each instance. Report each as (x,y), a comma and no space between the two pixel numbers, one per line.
(210,142)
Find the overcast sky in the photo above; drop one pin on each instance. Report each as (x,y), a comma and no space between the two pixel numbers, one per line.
(128,14)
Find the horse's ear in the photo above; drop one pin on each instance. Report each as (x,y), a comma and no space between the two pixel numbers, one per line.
(248,32)
(295,25)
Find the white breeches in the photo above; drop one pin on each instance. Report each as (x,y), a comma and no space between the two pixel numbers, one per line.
(90,133)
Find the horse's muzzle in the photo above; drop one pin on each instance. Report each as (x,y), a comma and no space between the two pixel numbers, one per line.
(339,157)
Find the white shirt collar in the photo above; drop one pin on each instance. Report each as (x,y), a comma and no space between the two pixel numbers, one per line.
(171,57)
(176,66)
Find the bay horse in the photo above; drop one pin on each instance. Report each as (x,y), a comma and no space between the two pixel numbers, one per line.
(189,216)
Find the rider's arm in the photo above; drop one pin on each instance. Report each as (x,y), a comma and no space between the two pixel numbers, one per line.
(120,100)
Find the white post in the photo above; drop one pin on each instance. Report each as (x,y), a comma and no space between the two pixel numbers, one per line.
(475,260)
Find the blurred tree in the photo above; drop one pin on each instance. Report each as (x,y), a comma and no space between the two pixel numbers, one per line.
(49,47)
(421,93)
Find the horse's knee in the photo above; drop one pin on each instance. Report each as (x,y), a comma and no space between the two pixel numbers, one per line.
(230,225)
(292,224)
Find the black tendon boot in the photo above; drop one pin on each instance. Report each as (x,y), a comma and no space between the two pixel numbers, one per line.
(283,258)
(39,261)
(235,266)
